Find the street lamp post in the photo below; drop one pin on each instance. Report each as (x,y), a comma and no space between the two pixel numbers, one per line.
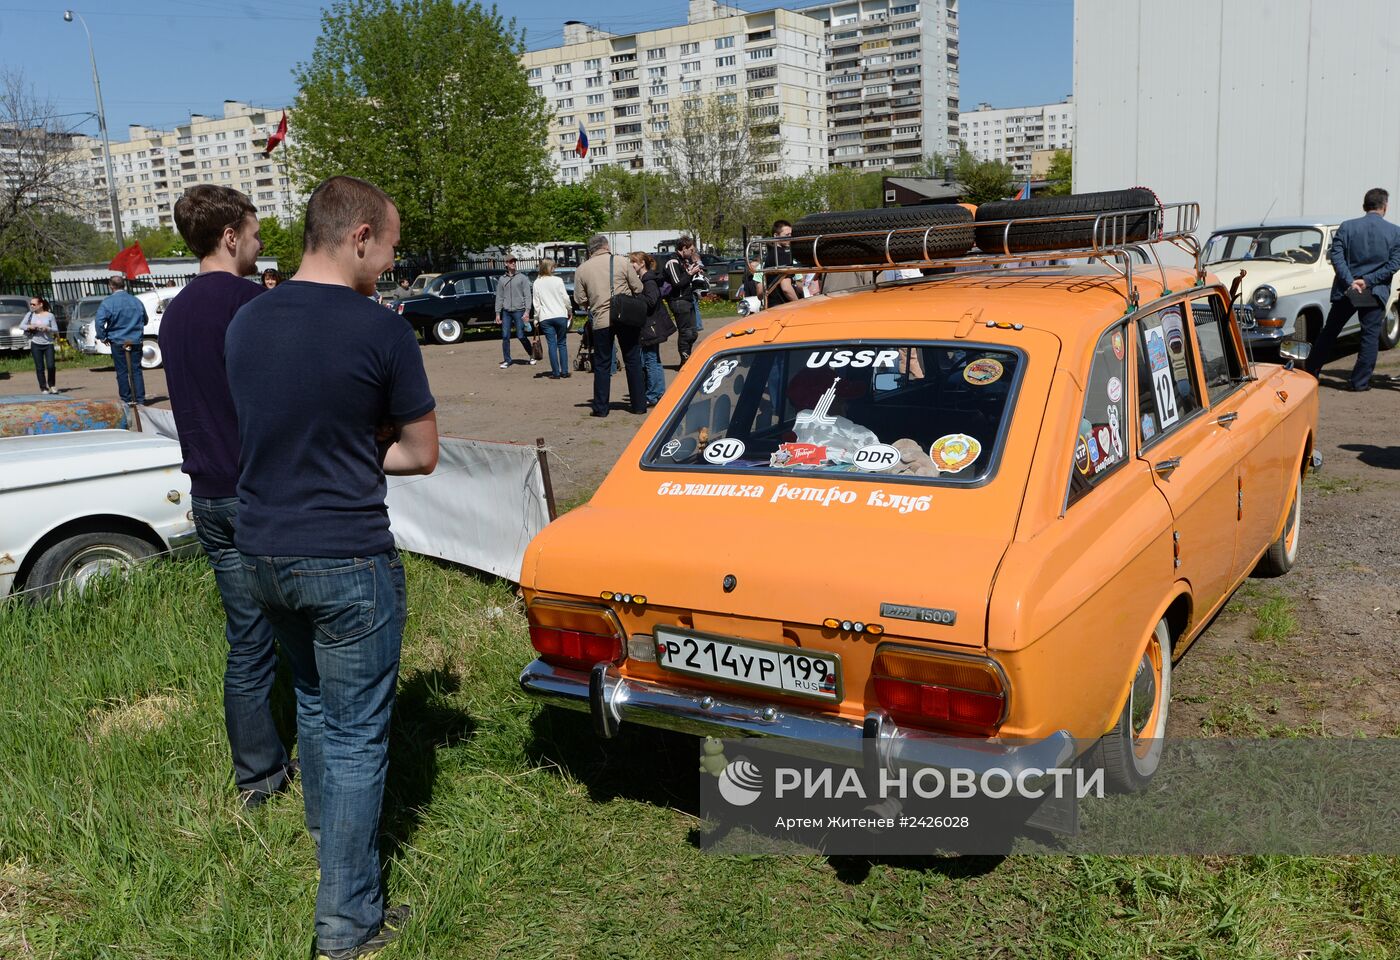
(68,16)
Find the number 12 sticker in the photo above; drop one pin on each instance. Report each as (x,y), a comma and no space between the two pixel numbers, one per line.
(1163,388)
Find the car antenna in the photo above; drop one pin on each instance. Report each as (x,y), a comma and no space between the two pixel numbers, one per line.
(1267,212)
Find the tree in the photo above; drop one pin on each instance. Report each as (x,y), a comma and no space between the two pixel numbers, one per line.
(282,241)
(1061,175)
(643,200)
(428,100)
(789,198)
(570,212)
(40,199)
(981,180)
(159,242)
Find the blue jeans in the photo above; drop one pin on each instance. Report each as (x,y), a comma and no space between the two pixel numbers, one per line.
(516,319)
(138,382)
(556,335)
(655,373)
(43,363)
(695,306)
(259,757)
(340,624)
(1372,322)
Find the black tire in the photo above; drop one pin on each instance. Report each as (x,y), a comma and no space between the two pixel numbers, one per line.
(1390,332)
(1025,238)
(447,331)
(69,564)
(1283,552)
(1131,752)
(904,247)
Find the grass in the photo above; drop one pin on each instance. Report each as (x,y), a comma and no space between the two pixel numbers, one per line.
(16,363)
(1275,622)
(515,833)
(1328,484)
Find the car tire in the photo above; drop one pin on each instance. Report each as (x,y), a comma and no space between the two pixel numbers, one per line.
(1283,552)
(1131,752)
(70,564)
(1029,237)
(447,331)
(151,357)
(904,247)
(1390,332)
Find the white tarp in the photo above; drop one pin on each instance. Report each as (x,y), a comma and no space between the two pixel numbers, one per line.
(480,507)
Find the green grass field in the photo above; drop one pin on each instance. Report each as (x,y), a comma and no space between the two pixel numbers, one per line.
(513,833)
(18,364)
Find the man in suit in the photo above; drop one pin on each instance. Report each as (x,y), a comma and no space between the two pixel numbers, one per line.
(1365,253)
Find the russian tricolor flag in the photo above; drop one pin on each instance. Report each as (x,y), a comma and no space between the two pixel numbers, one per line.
(581,148)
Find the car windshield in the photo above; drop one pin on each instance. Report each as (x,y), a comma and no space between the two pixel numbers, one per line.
(1285,244)
(14,307)
(929,412)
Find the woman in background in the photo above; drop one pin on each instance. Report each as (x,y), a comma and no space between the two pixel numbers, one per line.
(551,302)
(42,328)
(271,278)
(658,328)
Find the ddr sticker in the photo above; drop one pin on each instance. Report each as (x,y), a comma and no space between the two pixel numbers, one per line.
(727,450)
(954,452)
(877,456)
(1117,340)
(1115,389)
(798,455)
(981,372)
(722,369)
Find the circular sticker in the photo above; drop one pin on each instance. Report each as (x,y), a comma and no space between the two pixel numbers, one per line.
(1117,339)
(981,372)
(1081,455)
(954,451)
(1115,389)
(726,450)
(876,456)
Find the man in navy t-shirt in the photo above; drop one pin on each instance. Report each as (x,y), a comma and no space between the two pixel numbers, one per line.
(331,395)
(220,226)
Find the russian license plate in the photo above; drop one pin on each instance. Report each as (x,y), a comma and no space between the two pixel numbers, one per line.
(790,670)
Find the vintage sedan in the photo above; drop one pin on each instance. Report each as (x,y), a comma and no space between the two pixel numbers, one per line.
(451,302)
(1287,287)
(987,505)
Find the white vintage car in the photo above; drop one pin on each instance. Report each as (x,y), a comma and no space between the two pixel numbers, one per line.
(84,335)
(86,503)
(1288,279)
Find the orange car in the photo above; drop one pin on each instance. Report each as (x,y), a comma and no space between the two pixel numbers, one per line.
(991,505)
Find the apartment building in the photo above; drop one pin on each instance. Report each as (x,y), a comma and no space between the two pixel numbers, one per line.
(627,89)
(154,167)
(891,80)
(1014,134)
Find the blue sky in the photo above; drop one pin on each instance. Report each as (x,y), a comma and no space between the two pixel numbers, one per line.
(160,60)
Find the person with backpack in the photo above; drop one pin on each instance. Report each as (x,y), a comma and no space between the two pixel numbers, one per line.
(659,325)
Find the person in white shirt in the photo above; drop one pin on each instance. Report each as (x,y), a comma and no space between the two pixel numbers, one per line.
(552,313)
(42,328)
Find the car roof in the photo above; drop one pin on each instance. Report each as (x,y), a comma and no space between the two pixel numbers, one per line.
(461,274)
(1075,303)
(1269,223)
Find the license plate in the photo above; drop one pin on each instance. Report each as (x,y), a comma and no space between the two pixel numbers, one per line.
(790,670)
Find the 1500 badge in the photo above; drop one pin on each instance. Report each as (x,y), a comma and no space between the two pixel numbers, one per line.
(899,611)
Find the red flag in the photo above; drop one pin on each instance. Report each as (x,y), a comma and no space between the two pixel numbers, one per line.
(277,137)
(131,262)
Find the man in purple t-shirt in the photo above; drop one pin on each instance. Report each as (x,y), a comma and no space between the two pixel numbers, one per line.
(220,226)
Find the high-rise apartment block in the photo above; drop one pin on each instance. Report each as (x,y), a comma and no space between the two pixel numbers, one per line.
(627,89)
(154,167)
(891,80)
(1013,134)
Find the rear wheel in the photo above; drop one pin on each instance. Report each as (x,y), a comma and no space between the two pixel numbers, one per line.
(70,565)
(1279,558)
(447,331)
(1131,752)
(151,358)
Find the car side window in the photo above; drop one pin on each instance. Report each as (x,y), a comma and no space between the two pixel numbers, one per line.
(479,285)
(1166,381)
(1220,360)
(1100,444)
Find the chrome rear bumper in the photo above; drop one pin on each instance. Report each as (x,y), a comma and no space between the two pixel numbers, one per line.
(611,698)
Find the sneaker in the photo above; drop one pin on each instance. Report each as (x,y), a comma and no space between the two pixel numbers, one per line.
(389,931)
(505,364)
(533,362)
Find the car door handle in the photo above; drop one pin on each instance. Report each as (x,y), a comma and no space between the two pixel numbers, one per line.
(1225,418)
(1166,466)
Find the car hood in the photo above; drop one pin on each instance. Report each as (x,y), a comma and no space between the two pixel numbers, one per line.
(82,455)
(1283,277)
(798,562)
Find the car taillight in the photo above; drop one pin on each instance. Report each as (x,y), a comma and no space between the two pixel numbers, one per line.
(574,635)
(959,694)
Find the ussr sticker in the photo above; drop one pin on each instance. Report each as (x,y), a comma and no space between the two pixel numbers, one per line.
(1115,389)
(1117,340)
(954,452)
(982,372)
(798,455)
(722,451)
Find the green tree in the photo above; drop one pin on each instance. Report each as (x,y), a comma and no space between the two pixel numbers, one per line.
(1061,175)
(644,200)
(981,180)
(570,212)
(159,242)
(428,100)
(282,241)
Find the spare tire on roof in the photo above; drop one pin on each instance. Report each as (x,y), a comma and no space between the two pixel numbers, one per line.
(903,247)
(1027,237)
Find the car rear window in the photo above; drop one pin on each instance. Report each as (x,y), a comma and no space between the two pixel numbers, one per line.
(922,412)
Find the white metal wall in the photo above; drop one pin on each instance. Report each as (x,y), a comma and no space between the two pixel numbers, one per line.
(1251,107)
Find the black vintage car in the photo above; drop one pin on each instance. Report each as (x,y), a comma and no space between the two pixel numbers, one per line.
(451,302)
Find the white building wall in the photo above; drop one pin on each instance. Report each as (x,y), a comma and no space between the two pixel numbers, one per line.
(1249,107)
(1013,134)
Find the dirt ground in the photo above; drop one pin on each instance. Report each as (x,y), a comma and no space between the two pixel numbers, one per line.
(1315,652)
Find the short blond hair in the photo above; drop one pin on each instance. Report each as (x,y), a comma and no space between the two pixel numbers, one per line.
(546,267)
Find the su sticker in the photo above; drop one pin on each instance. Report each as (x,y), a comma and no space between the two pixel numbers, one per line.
(954,451)
(722,451)
(981,372)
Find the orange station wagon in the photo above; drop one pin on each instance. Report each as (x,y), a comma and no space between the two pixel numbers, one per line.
(991,505)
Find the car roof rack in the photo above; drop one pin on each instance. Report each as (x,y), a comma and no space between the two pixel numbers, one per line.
(1111,243)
